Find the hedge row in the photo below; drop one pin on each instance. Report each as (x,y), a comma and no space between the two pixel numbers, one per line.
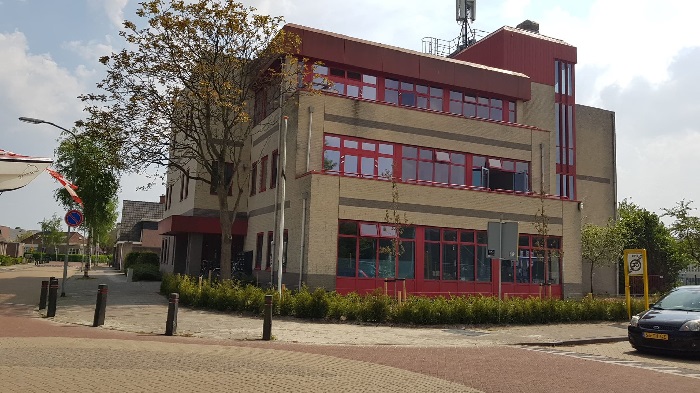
(142,258)
(379,308)
(9,261)
(38,256)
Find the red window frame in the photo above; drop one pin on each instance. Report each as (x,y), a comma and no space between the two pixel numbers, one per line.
(343,148)
(273,169)
(263,174)
(408,93)
(528,248)
(268,260)
(259,238)
(565,129)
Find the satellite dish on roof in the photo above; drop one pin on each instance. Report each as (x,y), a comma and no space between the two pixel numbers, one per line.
(466,9)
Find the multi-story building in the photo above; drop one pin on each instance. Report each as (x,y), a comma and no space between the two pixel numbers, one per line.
(492,133)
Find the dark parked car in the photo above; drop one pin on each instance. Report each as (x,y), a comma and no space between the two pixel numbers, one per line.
(672,323)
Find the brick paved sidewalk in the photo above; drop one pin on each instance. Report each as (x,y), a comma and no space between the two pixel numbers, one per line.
(138,307)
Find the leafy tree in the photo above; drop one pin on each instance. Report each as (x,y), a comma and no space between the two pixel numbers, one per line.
(646,230)
(602,245)
(51,234)
(181,96)
(89,163)
(686,228)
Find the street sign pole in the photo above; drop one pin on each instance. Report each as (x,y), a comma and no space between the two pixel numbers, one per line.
(73,218)
(65,265)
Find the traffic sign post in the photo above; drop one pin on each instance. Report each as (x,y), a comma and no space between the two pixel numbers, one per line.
(73,219)
(636,265)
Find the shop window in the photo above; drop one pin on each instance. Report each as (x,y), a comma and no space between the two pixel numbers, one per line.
(270,244)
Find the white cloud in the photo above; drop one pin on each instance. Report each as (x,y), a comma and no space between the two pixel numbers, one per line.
(114,10)
(89,51)
(34,86)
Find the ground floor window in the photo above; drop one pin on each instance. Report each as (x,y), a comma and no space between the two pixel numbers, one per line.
(376,250)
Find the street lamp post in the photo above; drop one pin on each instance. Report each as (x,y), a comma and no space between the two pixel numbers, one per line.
(65,260)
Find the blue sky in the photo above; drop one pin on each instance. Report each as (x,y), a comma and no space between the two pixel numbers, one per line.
(638,58)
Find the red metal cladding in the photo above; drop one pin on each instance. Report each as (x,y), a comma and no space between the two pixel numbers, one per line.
(190,224)
(352,52)
(521,51)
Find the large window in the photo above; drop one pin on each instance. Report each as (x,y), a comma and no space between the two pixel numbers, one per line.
(253,178)
(452,254)
(372,250)
(407,93)
(539,260)
(371,159)
(565,129)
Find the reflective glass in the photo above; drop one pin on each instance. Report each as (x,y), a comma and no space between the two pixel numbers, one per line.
(406,86)
(436,103)
(521,167)
(408,232)
(470,98)
(369,146)
(354,75)
(497,114)
(456,107)
(407,260)
(391,96)
(347,255)
(457,175)
(483,265)
(469,110)
(496,103)
(368,165)
(386,149)
(432,261)
(466,236)
(457,158)
(372,80)
(483,112)
(387,261)
(507,270)
(331,160)
(426,154)
(391,84)
(369,93)
(408,99)
(338,88)
(385,167)
(422,89)
(410,152)
(350,144)
(449,261)
(522,269)
(368,230)
(332,141)
(353,91)
(368,257)
(441,173)
(435,92)
(425,171)
(456,96)
(449,235)
(422,102)
(322,70)
(408,170)
(350,165)
(466,263)
(478,161)
(432,234)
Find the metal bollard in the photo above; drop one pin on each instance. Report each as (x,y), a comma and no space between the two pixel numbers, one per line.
(171,323)
(44,293)
(53,296)
(267,319)
(100,306)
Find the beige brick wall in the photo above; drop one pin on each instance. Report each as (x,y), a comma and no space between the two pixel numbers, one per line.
(596,181)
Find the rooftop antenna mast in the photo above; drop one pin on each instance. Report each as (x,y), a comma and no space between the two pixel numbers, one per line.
(465,14)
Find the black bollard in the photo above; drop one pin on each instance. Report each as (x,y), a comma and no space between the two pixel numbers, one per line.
(53,296)
(44,293)
(101,306)
(267,319)
(171,323)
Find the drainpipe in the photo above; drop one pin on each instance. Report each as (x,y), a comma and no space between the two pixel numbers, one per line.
(303,233)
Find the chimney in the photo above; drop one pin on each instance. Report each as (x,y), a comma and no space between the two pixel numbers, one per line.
(529,25)
(162,199)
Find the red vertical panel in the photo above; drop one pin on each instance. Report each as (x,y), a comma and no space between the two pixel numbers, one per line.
(490,51)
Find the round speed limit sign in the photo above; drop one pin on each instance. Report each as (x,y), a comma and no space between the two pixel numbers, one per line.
(635,264)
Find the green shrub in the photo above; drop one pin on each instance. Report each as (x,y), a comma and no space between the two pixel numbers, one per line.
(378,308)
(144,272)
(131,259)
(148,258)
(6,260)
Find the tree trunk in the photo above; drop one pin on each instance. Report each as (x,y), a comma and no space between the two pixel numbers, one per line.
(226,240)
(592,266)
